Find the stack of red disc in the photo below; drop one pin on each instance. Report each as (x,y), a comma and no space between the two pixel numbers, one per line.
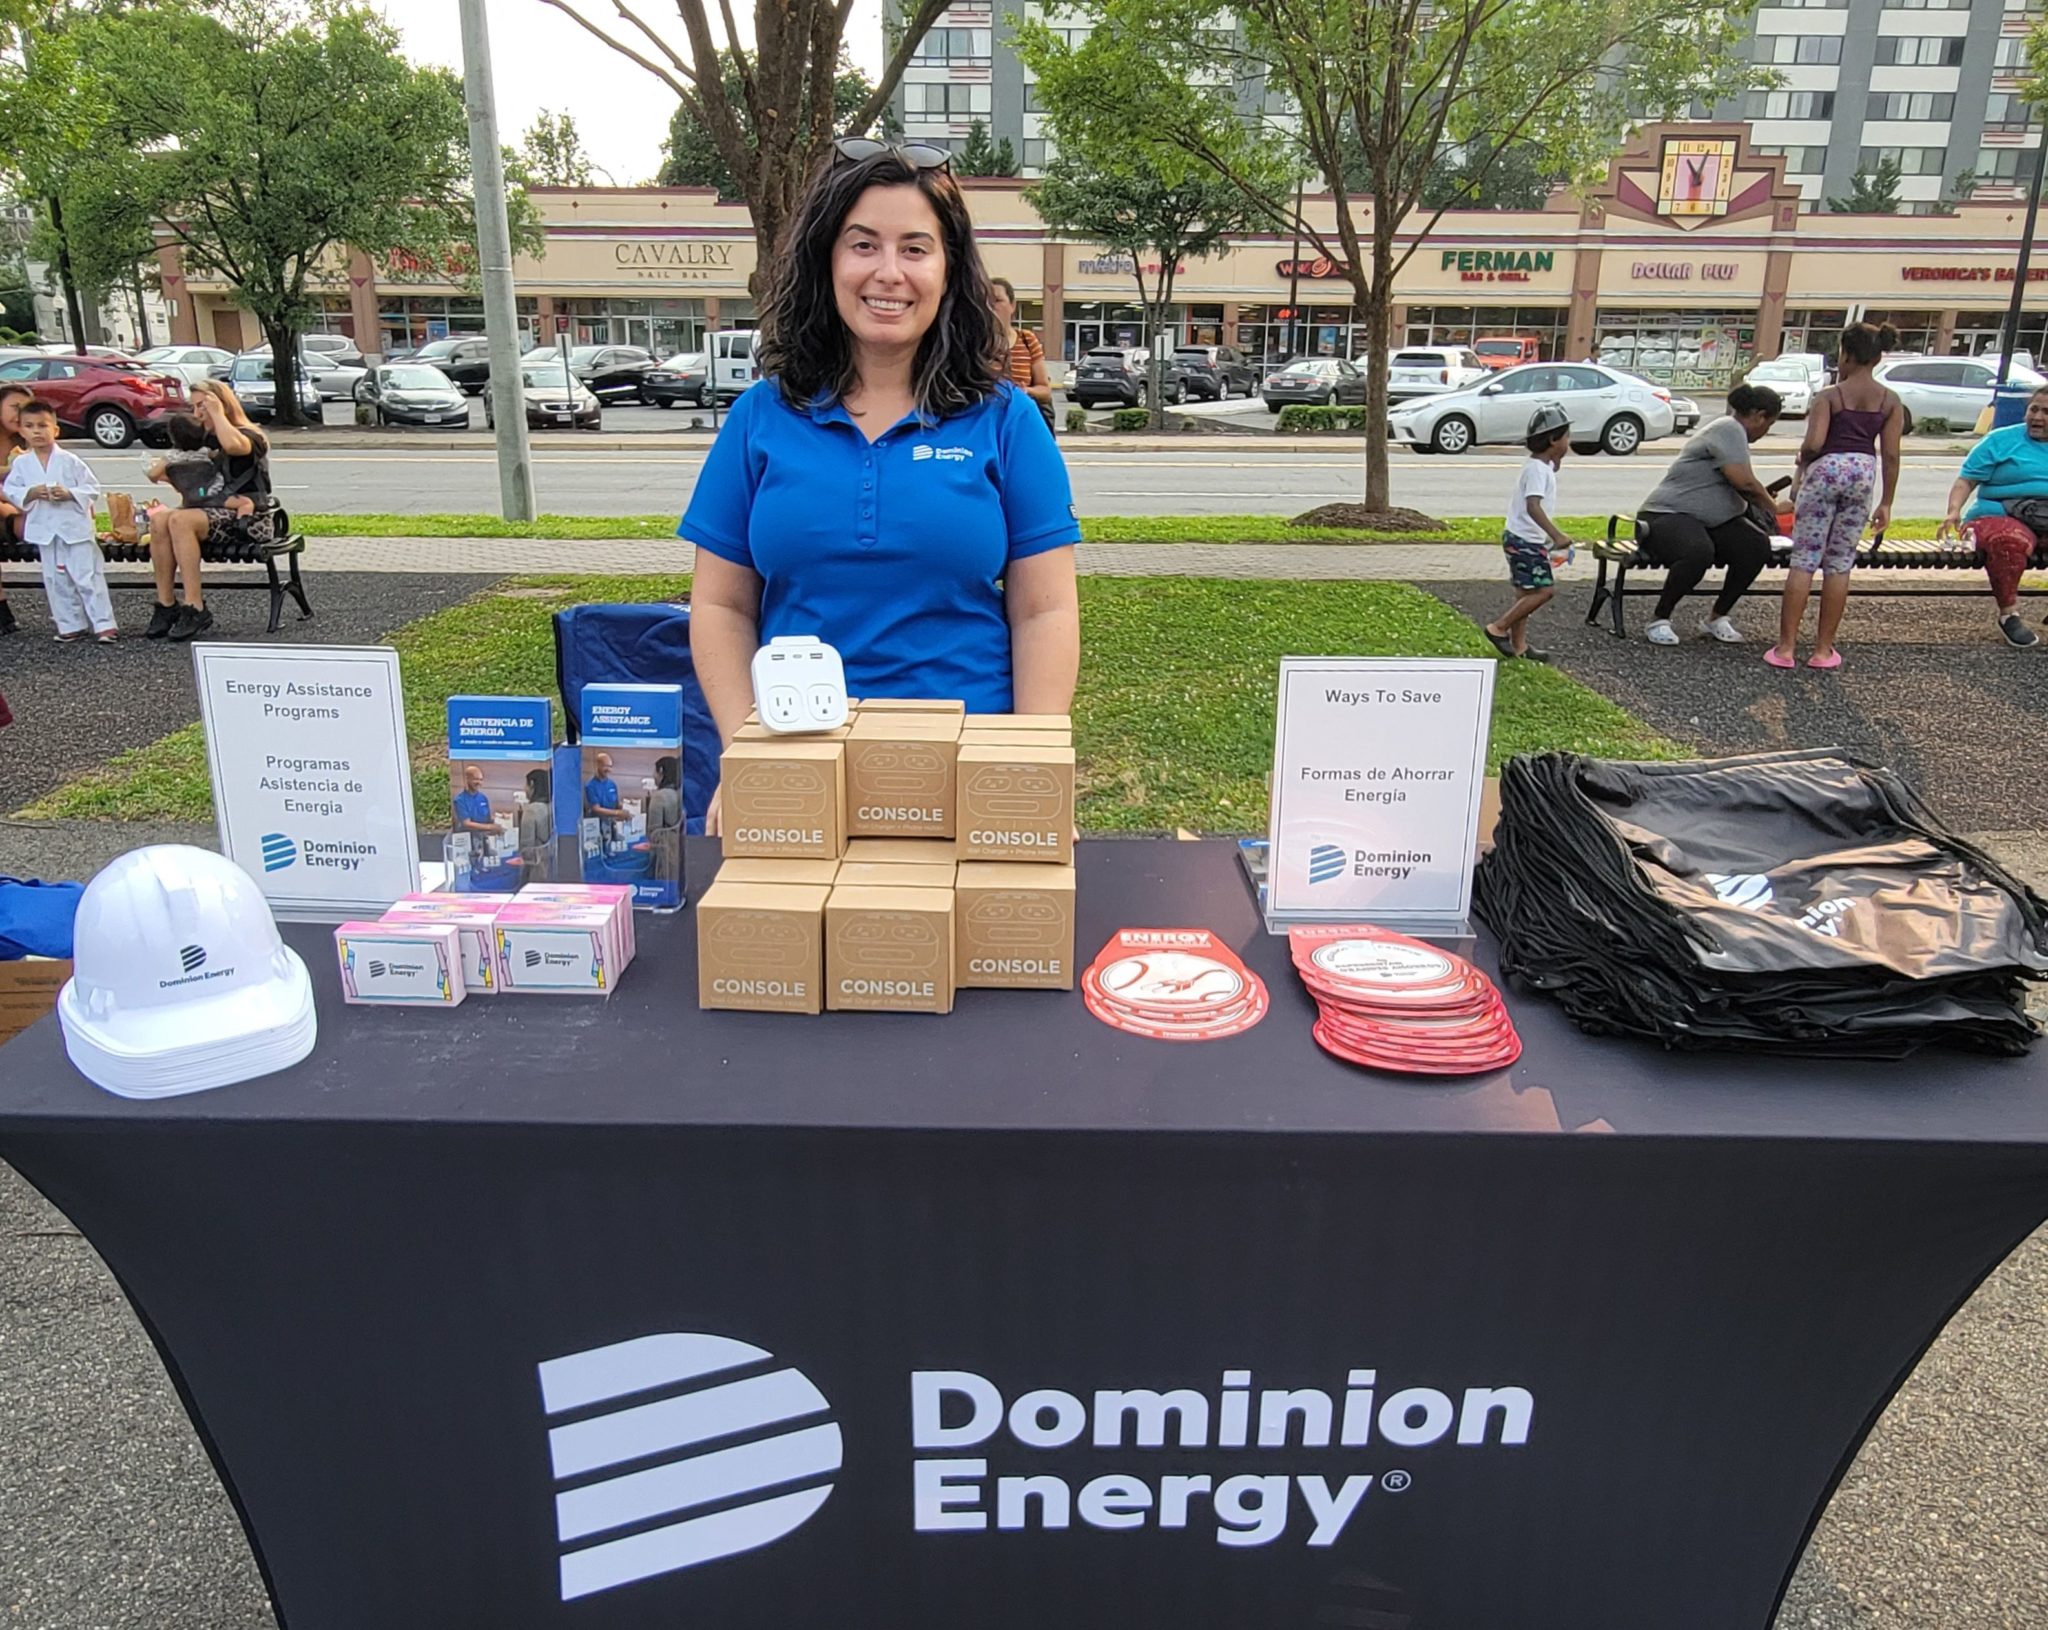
(1394,1003)
(1173,984)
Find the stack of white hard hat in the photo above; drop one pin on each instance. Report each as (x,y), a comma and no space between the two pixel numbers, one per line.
(179,979)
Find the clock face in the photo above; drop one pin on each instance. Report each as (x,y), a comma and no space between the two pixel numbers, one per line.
(1696,176)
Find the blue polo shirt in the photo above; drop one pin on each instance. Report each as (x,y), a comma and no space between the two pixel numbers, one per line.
(2007,463)
(893,551)
(472,806)
(600,792)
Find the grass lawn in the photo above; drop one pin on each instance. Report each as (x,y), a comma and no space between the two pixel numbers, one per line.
(1094,528)
(1173,720)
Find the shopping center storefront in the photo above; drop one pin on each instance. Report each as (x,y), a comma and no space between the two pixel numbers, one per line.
(1685,271)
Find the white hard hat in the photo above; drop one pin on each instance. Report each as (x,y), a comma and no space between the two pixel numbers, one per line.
(179,979)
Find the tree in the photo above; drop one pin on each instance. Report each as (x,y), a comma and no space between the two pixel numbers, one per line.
(1961,187)
(1406,79)
(690,158)
(777,130)
(983,157)
(1153,212)
(1516,177)
(295,131)
(1871,192)
(551,154)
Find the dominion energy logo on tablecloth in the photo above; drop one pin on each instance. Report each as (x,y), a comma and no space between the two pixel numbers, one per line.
(1274,1462)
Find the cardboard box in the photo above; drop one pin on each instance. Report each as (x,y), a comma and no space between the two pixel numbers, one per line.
(1016,803)
(629,805)
(942,707)
(1015,738)
(500,792)
(784,799)
(760,732)
(899,775)
(474,915)
(894,874)
(901,851)
(760,946)
(746,869)
(403,964)
(1013,926)
(889,949)
(28,991)
(1061,722)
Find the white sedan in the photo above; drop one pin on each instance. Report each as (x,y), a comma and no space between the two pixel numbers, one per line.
(1953,389)
(1610,411)
(190,363)
(1793,381)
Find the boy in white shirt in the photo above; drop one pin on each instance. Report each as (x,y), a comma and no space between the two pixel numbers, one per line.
(1531,540)
(55,491)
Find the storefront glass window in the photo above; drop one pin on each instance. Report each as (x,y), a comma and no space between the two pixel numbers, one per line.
(1815,331)
(1103,322)
(1694,350)
(1919,331)
(1461,325)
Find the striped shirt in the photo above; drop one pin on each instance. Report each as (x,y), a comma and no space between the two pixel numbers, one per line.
(1025,355)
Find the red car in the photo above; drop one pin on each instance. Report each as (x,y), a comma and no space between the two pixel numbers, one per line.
(112,399)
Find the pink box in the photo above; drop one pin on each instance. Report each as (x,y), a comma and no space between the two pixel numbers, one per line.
(614,894)
(556,948)
(408,964)
(474,918)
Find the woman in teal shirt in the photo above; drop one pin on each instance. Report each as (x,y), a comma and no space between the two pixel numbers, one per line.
(2008,465)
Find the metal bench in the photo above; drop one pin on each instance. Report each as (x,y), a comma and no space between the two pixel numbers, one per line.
(288,547)
(1617,554)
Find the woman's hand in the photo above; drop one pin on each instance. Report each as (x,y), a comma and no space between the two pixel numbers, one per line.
(1951,526)
(714,820)
(1880,518)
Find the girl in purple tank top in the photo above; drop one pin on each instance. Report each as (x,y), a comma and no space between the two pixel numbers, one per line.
(1852,441)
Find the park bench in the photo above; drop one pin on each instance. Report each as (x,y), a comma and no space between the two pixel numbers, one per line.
(288,548)
(1616,554)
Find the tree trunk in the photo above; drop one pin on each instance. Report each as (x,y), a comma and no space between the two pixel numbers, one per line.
(141,312)
(284,373)
(1379,315)
(74,309)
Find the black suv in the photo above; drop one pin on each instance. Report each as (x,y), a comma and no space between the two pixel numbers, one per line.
(1212,372)
(1111,374)
(464,358)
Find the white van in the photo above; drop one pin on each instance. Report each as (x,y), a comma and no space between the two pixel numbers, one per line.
(730,354)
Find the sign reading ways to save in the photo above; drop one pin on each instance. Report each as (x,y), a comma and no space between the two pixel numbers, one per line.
(1378,767)
(312,780)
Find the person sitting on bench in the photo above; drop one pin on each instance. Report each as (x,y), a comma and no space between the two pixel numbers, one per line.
(1700,515)
(243,514)
(2000,499)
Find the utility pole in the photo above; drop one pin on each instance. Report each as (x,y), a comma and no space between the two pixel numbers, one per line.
(494,256)
(2009,335)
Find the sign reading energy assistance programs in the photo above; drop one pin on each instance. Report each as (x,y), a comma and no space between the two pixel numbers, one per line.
(1378,766)
(312,780)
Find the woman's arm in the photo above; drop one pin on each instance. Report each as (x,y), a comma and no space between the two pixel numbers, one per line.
(1816,430)
(1958,496)
(1040,389)
(231,438)
(1742,477)
(1888,451)
(725,611)
(1044,608)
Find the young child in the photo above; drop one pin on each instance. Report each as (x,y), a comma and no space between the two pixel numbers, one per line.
(55,492)
(1532,541)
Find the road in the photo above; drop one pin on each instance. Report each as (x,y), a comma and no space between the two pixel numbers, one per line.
(1108,480)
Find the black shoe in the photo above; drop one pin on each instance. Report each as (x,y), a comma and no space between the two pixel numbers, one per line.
(2016,632)
(1531,654)
(7,623)
(190,623)
(161,618)
(1500,642)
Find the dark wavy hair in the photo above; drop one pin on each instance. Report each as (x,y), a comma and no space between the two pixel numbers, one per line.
(804,342)
(1755,399)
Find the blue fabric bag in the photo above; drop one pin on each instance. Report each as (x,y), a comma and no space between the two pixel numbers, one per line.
(35,918)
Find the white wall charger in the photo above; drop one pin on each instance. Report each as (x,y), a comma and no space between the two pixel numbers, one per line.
(799,685)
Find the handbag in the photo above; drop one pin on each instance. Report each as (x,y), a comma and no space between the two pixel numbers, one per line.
(2031,513)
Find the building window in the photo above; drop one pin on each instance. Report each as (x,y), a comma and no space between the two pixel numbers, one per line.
(955,45)
(1789,105)
(1907,51)
(1461,325)
(2006,166)
(1038,152)
(1910,160)
(1918,330)
(1811,5)
(1799,160)
(2011,55)
(1032,101)
(2003,110)
(946,101)
(1926,5)
(1688,349)
(1798,48)
(1918,105)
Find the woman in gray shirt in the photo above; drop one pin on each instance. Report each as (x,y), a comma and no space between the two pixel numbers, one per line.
(1699,515)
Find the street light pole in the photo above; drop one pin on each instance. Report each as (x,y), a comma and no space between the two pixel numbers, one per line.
(494,256)
(2009,336)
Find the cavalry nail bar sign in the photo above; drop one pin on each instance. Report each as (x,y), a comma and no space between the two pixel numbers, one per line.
(312,779)
(1378,766)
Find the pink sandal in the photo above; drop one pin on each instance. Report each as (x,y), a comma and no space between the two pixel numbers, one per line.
(1832,660)
(1771,656)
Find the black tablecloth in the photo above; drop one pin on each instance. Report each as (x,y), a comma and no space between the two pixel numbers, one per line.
(1612,1375)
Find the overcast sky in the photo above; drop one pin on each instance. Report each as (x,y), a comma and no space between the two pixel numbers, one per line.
(543,60)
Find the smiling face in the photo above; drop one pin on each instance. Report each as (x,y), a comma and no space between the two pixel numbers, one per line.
(889,269)
(604,766)
(1006,308)
(2037,416)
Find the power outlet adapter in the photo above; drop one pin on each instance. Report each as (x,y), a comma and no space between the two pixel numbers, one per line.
(799,685)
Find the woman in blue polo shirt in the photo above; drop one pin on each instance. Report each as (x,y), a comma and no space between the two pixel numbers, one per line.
(882,486)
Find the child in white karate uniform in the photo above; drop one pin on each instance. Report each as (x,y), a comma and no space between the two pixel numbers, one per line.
(55,491)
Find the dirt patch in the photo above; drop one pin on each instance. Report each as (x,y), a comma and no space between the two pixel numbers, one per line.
(1360,518)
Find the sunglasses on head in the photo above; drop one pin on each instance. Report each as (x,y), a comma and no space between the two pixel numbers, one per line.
(918,155)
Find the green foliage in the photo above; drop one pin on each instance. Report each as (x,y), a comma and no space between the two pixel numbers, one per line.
(1961,188)
(1077,420)
(1299,418)
(1871,192)
(983,157)
(551,154)
(690,156)
(1933,427)
(1135,418)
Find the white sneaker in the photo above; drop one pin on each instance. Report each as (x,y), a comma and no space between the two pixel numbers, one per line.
(1720,628)
(1661,632)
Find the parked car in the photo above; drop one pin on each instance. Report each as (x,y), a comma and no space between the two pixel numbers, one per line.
(1816,364)
(1498,351)
(1955,389)
(252,381)
(334,381)
(1313,382)
(1795,383)
(1685,415)
(464,358)
(1424,370)
(413,393)
(335,347)
(1209,373)
(1611,411)
(190,363)
(114,400)
(611,370)
(554,400)
(685,377)
(1111,374)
